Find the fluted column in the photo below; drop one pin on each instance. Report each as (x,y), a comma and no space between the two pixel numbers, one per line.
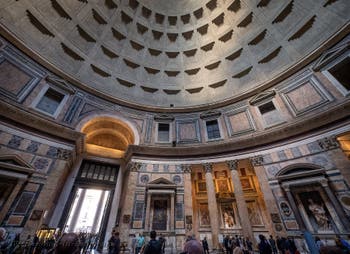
(148,212)
(188,196)
(172,212)
(213,208)
(241,203)
(294,206)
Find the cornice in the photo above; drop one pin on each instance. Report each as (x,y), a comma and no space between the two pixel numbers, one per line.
(37,123)
(292,132)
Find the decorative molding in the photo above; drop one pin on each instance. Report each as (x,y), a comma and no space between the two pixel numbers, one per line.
(328,143)
(213,114)
(232,164)
(208,167)
(264,96)
(135,166)
(257,160)
(60,83)
(164,118)
(186,168)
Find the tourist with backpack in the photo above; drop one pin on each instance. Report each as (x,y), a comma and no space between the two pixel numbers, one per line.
(153,246)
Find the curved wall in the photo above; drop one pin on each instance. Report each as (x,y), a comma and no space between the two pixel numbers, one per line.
(295,124)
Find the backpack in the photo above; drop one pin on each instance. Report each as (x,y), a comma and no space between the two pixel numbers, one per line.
(153,247)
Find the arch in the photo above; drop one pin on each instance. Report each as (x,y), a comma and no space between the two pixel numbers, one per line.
(108,135)
(297,168)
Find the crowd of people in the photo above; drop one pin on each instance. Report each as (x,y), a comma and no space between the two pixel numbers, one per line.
(82,243)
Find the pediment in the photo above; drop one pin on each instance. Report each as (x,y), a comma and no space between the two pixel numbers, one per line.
(14,160)
(61,84)
(161,181)
(264,96)
(164,118)
(213,114)
(330,55)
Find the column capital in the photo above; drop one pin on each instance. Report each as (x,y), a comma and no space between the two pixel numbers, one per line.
(134,166)
(328,143)
(208,167)
(232,164)
(257,160)
(186,168)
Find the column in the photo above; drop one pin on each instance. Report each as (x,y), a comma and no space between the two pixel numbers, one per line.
(337,206)
(247,229)
(294,207)
(188,197)
(148,212)
(266,192)
(76,213)
(213,208)
(99,212)
(172,212)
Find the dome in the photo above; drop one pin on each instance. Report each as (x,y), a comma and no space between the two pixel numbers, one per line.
(175,55)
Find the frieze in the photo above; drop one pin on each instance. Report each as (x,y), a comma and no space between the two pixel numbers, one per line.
(328,143)
(33,147)
(15,141)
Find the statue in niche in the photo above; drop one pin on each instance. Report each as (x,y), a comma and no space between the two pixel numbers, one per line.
(316,210)
(319,213)
(228,215)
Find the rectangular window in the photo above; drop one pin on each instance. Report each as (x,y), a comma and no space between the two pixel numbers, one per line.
(267,107)
(270,114)
(163,132)
(50,102)
(341,73)
(213,130)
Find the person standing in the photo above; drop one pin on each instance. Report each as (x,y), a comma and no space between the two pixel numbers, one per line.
(162,241)
(264,246)
(205,245)
(114,244)
(281,244)
(153,246)
(273,245)
(140,241)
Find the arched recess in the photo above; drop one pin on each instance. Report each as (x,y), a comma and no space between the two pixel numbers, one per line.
(108,135)
(308,190)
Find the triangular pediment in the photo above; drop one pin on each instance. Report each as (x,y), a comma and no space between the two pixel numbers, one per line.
(161,181)
(14,160)
(61,84)
(330,55)
(264,96)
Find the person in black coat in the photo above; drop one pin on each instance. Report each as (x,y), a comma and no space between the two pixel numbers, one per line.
(114,244)
(205,245)
(264,246)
